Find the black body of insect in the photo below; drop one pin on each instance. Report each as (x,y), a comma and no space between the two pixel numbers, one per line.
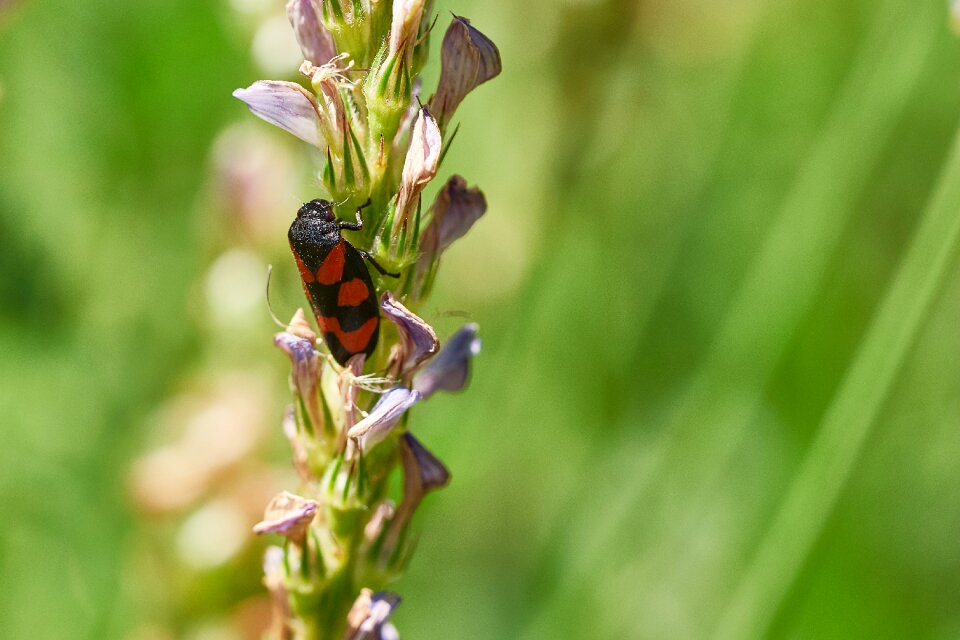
(336,280)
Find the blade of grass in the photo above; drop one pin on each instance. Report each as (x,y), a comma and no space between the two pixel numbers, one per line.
(830,461)
(723,397)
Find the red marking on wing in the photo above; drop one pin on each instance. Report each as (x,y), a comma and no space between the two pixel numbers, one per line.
(305,273)
(352,293)
(355,341)
(331,269)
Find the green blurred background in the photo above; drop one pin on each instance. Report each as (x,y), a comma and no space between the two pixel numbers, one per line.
(696,211)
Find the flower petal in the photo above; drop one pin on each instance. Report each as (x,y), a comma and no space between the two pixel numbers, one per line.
(306,372)
(406,22)
(420,165)
(285,104)
(456,209)
(422,468)
(367,619)
(468,59)
(417,338)
(450,368)
(385,414)
(306,361)
(316,43)
(287,514)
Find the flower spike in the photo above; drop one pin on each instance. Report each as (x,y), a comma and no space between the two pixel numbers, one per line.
(366,248)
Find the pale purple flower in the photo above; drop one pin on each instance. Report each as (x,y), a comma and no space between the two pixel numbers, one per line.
(418,341)
(468,59)
(455,210)
(423,471)
(420,164)
(449,369)
(385,414)
(306,371)
(286,105)
(287,514)
(405,24)
(367,619)
(314,39)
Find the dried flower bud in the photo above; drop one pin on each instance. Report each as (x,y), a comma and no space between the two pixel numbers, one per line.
(418,341)
(449,370)
(455,210)
(349,389)
(273,580)
(385,414)
(367,619)
(406,23)
(287,514)
(420,165)
(381,516)
(423,472)
(286,105)
(300,456)
(306,373)
(467,60)
(300,327)
(315,41)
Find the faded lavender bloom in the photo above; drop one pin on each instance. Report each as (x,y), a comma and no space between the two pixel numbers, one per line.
(420,166)
(349,425)
(455,210)
(288,515)
(418,341)
(315,41)
(451,368)
(467,60)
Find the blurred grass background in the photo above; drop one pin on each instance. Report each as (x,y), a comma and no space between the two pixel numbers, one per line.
(696,212)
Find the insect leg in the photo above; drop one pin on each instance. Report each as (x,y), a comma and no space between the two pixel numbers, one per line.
(376,264)
(355,226)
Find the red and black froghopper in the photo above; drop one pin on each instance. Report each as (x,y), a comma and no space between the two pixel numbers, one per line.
(336,280)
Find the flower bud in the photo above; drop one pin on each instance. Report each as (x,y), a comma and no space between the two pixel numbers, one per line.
(315,41)
(273,580)
(367,619)
(289,515)
(467,60)
(300,327)
(407,15)
(419,167)
(306,372)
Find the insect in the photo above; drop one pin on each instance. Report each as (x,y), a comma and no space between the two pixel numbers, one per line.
(336,280)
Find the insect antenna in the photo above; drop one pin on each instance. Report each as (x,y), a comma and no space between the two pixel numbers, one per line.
(280,324)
